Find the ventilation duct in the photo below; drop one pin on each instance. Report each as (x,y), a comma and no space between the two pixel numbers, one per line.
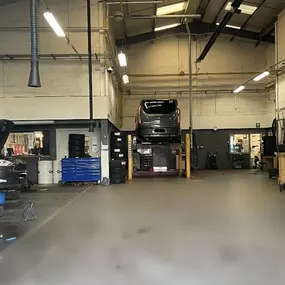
(34,79)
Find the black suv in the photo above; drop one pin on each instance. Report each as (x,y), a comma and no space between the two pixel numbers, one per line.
(158,121)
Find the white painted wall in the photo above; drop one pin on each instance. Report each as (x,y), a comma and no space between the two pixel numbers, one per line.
(221,110)
(280,51)
(64,92)
(62,136)
(70,13)
(211,106)
(114,99)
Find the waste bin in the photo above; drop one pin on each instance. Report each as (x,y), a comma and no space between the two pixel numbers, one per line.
(2,201)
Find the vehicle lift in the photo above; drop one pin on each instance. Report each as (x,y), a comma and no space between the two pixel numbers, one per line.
(187,157)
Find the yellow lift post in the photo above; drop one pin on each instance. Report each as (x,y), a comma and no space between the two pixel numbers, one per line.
(130,158)
(188,156)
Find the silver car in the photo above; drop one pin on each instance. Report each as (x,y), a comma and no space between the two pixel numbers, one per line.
(158,121)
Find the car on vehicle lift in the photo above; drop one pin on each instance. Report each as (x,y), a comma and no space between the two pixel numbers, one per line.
(158,121)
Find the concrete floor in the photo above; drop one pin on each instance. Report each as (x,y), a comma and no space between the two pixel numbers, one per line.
(217,229)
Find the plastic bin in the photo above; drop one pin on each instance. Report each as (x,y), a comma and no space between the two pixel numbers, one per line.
(2,198)
(2,201)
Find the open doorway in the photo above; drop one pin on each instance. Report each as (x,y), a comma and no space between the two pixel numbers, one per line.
(255,148)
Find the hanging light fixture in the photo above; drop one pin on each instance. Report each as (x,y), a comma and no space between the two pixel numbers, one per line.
(125,78)
(54,24)
(239,89)
(261,76)
(122,59)
(161,28)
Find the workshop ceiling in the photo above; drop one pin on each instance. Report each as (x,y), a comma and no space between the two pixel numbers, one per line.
(259,24)
(6,2)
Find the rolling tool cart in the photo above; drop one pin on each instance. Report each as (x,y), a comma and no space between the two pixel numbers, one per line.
(118,162)
(81,170)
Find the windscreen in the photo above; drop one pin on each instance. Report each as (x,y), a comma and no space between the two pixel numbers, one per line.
(159,106)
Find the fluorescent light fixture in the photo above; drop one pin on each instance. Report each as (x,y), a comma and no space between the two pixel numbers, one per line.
(54,24)
(122,59)
(170,9)
(20,123)
(261,76)
(239,89)
(245,9)
(125,78)
(167,27)
(230,26)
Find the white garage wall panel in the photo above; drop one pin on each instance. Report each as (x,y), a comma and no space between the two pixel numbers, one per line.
(62,136)
(214,110)
(280,49)
(211,106)
(114,100)
(70,13)
(64,92)
(63,95)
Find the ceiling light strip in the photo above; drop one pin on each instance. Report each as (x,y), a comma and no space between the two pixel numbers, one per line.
(122,59)
(54,24)
(134,2)
(244,8)
(170,9)
(166,27)
(125,78)
(231,26)
(261,76)
(239,89)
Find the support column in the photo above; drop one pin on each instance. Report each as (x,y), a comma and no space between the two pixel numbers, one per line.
(280,55)
(188,156)
(130,158)
(105,147)
(180,162)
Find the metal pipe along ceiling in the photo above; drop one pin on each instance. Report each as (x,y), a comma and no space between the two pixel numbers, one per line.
(133,2)
(55,56)
(193,74)
(90,74)
(192,16)
(185,91)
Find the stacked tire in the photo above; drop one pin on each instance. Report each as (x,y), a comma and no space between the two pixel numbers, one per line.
(76,145)
(118,162)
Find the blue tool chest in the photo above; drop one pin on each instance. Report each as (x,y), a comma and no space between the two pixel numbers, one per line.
(81,169)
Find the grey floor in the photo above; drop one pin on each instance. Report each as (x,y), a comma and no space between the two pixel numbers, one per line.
(219,229)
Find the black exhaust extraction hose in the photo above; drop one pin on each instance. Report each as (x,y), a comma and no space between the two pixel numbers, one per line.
(34,79)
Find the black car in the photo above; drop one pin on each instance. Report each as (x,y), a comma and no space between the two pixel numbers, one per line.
(12,170)
(158,121)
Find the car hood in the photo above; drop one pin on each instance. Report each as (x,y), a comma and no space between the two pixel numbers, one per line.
(5,128)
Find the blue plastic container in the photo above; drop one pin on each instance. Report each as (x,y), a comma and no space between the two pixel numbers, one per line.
(2,198)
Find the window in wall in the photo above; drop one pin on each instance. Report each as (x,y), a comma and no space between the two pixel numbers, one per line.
(28,143)
(239,143)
